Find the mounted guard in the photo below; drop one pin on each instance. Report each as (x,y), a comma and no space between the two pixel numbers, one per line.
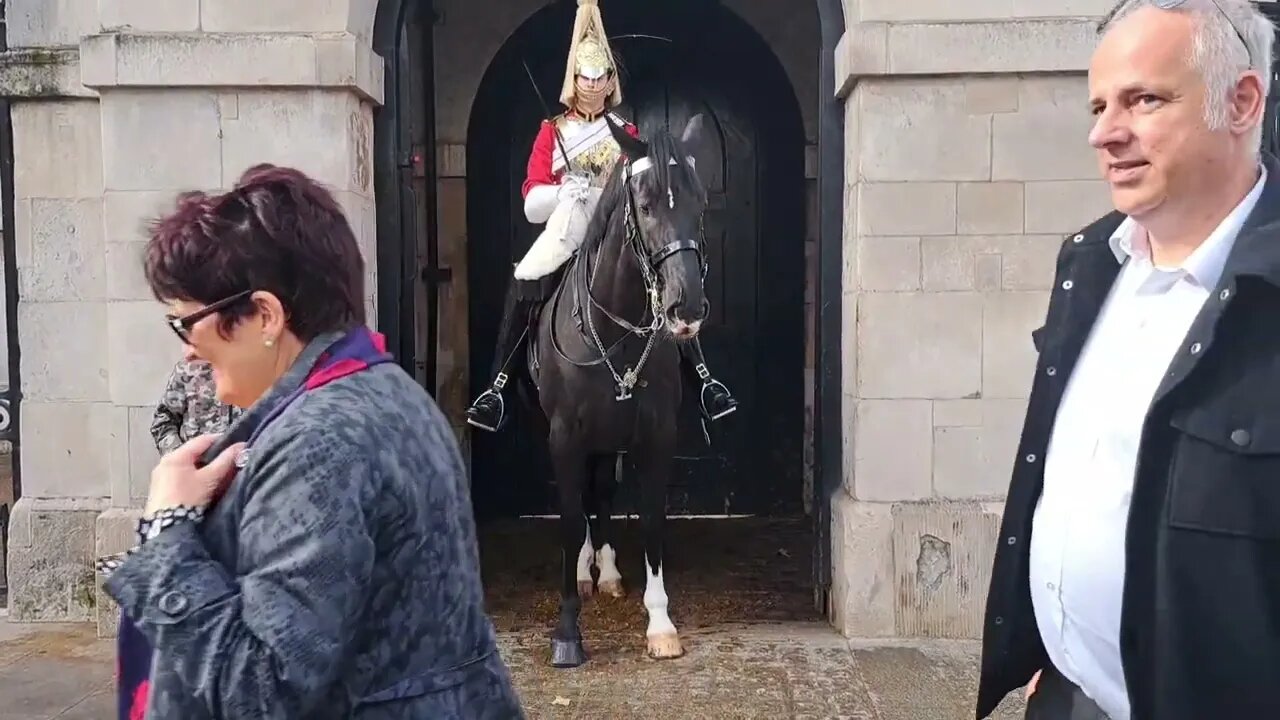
(567,169)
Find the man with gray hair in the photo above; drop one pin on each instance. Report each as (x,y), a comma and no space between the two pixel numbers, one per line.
(1137,573)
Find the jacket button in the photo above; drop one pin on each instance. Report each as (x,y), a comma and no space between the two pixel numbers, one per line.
(1078,238)
(1241,437)
(173,602)
(1224,294)
(1067,285)
(999,620)
(1031,457)
(1196,348)
(1051,371)
(1013,540)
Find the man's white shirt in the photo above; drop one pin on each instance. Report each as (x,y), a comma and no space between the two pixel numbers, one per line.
(1078,534)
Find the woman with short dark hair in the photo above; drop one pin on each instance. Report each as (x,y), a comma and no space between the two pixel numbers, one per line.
(319,560)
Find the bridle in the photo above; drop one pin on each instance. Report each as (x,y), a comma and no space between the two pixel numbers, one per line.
(584,271)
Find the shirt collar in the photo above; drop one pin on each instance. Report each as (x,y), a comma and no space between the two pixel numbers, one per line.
(1206,263)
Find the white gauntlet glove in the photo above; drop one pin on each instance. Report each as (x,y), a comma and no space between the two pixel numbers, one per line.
(573,188)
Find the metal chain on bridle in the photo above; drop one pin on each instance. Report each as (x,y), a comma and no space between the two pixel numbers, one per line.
(584,272)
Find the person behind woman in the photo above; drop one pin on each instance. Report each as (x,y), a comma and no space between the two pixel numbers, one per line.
(319,560)
(189,407)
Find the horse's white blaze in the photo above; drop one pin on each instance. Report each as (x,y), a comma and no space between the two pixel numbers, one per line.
(655,601)
(607,561)
(585,556)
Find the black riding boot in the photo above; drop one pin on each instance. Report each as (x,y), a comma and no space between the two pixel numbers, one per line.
(489,411)
(714,396)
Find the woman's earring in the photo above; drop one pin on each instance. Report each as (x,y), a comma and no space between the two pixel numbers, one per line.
(268,342)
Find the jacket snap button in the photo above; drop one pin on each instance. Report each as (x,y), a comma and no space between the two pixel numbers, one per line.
(1240,437)
(173,602)
(1067,285)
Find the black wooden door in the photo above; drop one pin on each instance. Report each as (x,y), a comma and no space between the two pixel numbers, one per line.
(754,340)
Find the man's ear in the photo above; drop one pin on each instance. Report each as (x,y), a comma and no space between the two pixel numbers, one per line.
(1248,103)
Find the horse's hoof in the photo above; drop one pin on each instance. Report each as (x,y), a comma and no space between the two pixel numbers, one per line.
(585,589)
(612,588)
(567,653)
(665,647)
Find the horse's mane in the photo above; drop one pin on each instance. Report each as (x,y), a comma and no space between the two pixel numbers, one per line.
(680,179)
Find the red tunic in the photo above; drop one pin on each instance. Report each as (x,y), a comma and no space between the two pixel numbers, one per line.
(539,170)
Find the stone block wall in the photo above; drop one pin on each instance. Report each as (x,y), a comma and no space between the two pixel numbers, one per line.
(112,124)
(967,163)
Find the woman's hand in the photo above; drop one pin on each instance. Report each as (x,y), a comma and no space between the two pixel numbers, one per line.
(176,481)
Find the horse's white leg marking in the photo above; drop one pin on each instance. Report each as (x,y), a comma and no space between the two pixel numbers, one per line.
(610,578)
(664,642)
(585,556)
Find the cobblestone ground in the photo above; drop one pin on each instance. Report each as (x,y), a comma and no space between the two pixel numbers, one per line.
(743,600)
(771,671)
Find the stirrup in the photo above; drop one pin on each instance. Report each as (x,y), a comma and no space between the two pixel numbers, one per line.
(495,392)
(702,398)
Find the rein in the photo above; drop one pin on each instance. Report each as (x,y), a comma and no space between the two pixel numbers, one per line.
(584,276)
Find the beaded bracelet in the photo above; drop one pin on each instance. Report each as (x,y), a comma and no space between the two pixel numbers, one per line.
(149,526)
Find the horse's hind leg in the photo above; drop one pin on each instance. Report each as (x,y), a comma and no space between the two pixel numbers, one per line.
(663,639)
(605,483)
(571,472)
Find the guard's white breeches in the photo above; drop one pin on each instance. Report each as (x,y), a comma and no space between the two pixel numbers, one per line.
(561,238)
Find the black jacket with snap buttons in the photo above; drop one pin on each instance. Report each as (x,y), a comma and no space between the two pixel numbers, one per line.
(1200,624)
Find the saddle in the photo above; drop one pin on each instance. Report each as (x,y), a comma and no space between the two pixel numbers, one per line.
(537,293)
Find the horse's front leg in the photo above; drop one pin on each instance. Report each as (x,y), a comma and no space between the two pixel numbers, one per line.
(571,471)
(604,483)
(654,472)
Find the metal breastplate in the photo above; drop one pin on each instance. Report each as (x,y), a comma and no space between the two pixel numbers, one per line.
(594,161)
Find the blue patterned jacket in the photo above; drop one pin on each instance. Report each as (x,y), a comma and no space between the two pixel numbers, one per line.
(338,577)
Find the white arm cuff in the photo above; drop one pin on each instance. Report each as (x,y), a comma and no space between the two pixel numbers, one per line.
(541,202)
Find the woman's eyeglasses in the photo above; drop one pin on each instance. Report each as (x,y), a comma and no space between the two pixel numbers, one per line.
(181,326)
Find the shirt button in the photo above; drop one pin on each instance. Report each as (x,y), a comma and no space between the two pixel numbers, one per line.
(1196,348)
(1067,285)
(1241,437)
(173,602)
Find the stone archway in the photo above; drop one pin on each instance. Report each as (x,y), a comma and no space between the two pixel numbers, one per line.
(755,229)
(439,168)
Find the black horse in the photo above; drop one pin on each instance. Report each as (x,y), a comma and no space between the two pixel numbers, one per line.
(606,367)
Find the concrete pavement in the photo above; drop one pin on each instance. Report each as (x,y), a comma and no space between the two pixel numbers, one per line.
(787,670)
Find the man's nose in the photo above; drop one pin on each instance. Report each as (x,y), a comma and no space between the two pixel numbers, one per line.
(1108,129)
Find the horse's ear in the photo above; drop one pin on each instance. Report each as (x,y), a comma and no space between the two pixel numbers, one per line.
(697,141)
(631,147)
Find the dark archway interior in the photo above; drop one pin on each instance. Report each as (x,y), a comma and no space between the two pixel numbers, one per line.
(744,569)
(709,61)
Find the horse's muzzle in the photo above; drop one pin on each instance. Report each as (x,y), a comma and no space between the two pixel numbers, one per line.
(682,330)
